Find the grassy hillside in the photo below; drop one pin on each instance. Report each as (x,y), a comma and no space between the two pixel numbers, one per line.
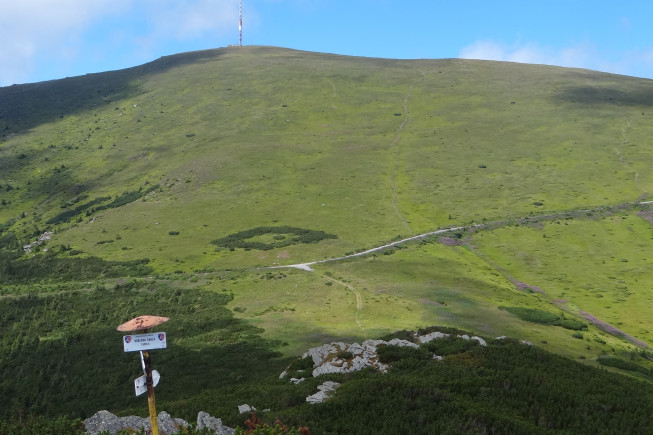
(362,148)
(201,169)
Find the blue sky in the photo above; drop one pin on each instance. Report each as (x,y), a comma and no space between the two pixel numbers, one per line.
(50,39)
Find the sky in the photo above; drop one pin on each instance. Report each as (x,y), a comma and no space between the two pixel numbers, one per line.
(51,39)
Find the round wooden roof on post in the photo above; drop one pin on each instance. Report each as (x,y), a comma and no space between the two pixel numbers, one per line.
(142,323)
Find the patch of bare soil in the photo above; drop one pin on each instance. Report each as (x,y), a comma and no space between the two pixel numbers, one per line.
(261,255)
(611,329)
(523,286)
(648,215)
(427,302)
(450,241)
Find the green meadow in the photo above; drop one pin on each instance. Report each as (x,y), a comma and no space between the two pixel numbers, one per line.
(599,266)
(163,175)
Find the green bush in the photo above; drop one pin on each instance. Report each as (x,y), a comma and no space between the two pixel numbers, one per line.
(34,424)
(449,345)
(299,235)
(49,266)
(573,324)
(65,216)
(545,318)
(123,199)
(533,315)
(344,354)
(623,365)
(62,217)
(305,363)
(402,335)
(389,354)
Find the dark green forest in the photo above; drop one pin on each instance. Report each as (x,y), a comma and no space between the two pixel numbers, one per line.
(61,360)
(60,354)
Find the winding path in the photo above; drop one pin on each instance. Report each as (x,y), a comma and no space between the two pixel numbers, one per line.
(359,300)
(307,266)
(495,224)
(396,158)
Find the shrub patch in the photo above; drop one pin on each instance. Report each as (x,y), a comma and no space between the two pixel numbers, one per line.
(545,318)
(278,237)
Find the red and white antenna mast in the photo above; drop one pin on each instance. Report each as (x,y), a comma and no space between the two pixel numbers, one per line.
(240,23)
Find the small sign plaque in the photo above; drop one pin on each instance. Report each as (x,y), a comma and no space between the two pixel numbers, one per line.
(136,342)
(140,383)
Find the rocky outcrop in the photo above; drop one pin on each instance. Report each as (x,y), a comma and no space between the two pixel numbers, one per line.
(326,390)
(329,358)
(106,422)
(339,357)
(432,336)
(206,421)
(42,238)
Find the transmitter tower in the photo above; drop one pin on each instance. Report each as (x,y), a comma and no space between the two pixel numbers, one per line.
(240,23)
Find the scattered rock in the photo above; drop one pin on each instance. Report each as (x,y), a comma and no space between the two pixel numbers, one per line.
(106,422)
(245,408)
(297,381)
(167,424)
(103,421)
(206,421)
(432,336)
(42,238)
(326,390)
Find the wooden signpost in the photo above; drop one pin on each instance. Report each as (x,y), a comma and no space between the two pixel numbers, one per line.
(143,343)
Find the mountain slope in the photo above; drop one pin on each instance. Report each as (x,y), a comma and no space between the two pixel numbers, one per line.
(157,162)
(362,148)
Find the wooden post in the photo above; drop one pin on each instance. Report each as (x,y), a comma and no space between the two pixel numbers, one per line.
(143,323)
(150,393)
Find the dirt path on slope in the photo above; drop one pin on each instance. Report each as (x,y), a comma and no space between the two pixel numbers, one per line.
(395,147)
(359,299)
(494,224)
(307,266)
(623,140)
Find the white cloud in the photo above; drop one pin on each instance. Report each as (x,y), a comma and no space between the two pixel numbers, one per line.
(483,50)
(582,55)
(637,63)
(52,34)
(33,28)
(187,19)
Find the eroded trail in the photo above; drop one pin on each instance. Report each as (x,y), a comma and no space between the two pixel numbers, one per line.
(395,147)
(359,299)
(621,141)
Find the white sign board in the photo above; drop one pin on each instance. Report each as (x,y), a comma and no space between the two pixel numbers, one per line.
(140,382)
(133,343)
